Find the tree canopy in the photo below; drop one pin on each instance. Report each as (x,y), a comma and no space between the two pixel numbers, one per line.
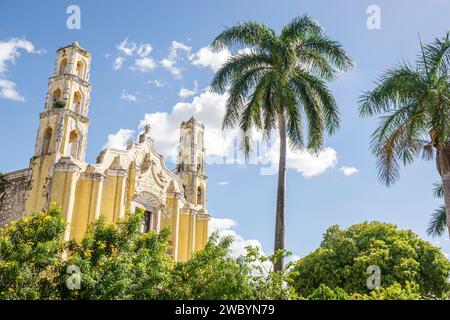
(409,266)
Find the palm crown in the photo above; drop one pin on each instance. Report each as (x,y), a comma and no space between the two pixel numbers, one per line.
(280,82)
(283,75)
(417,102)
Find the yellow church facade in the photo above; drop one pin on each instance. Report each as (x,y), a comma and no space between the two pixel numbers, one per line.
(120,181)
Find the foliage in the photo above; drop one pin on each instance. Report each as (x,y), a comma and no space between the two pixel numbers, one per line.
(211,274)
(31,256)
(394,292)
(325,293)
(266,283)
(438,222)
(59,104)
(344,256)
(416,103)
(282,74)
(118,262)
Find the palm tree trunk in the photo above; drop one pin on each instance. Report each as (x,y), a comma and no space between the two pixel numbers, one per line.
(443,166)
(281,194)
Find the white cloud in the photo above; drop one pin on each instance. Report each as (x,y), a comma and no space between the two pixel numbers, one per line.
(222,183)
(9,52)
(127,47)
(348,171)
(156,83)
(119,139)
(141,53)
(118,62)
(224,227)
(209,58)
(128,96)
(207,107)
(184,93)
(170,61)
(144,64)
(304,162)
(170,66)
(8,91)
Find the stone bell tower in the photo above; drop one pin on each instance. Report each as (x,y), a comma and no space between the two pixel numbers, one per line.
(63,125)
(191,161)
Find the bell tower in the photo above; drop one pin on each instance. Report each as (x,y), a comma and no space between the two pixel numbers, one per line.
(63,125)
(191,161)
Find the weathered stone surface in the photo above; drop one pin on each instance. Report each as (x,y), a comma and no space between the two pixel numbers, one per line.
(12,200)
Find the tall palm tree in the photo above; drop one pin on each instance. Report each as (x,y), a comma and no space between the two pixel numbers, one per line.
(416,104)
(438,222)
(281,83)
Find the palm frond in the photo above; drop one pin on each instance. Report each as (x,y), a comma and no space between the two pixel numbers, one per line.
(244,34)
(312,107)
(436,57)
(438,190)
(330,50)
(238,64)
(398,136)
(241,85)
(438,222)
(395,88)
(299,27)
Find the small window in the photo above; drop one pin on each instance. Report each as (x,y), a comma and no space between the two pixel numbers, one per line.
(80,69)
(46,141)
(147,222)
(63,66)
(74,144)
(200,196)
(76,104)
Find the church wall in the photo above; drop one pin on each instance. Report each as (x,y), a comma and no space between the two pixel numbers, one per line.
(12,200)
(109,198)
(201,233)
(183,237)
(84,208)
(38,197)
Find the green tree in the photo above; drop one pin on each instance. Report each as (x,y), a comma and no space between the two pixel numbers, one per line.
(117,261)
(281,83)
(211,274)
(325,293)
(438,222)
(416,104)
(31,256)
(394,292)
(343,258)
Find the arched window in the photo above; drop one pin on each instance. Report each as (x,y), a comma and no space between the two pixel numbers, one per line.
(76,104)
(56,95)
(184,190)
(147,223)
(46,141)
(80,69)
(63,66)
(200,199)
(74,142)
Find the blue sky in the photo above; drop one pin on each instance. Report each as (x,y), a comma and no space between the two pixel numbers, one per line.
(319,193)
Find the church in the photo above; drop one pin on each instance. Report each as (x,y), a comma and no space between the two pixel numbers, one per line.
(119,182)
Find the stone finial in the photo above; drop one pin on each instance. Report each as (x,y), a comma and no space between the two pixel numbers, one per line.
(146,133)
